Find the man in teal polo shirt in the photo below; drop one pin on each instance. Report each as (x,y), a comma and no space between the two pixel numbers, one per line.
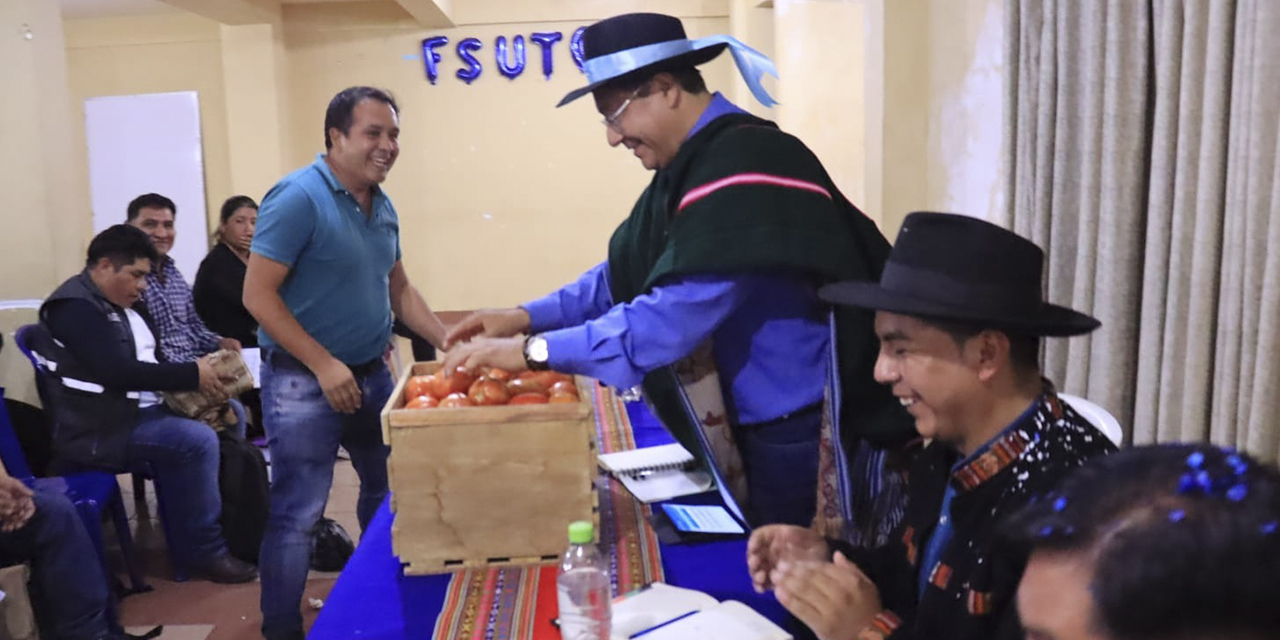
(323,281)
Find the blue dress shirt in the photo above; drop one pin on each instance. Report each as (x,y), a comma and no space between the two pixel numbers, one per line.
(769,331)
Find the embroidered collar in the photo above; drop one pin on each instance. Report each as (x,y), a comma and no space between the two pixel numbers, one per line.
(1001,451)
(998,454)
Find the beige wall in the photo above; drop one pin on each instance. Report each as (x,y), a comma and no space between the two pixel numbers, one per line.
(935,104)
(502,196)
(819,48)
(41,174)
(253,78)
(155,54)
(966,105)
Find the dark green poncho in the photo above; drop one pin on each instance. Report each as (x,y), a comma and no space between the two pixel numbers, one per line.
(742,196)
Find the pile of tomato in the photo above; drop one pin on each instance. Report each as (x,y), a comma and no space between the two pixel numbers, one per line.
(489,387)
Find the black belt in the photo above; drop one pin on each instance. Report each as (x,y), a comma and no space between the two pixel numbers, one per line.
(798,413)
(366,369)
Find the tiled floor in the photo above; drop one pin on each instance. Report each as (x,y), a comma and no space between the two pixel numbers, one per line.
(199,610)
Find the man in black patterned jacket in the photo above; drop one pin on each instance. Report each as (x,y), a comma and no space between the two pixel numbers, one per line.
(960,318)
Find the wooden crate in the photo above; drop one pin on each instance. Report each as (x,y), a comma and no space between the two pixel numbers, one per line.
(474,486)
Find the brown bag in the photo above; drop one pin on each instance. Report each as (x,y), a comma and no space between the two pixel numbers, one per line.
(216,412)
(16,619)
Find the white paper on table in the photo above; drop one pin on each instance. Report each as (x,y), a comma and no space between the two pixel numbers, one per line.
(730,620)
(653,605)
(663,612)
(253,360)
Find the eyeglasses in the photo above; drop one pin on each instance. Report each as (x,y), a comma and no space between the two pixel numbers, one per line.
(611,120)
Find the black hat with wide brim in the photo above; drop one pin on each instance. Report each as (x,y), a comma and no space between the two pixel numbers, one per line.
(634,30)
(956,267)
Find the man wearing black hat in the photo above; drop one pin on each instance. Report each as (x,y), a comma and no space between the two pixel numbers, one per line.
(709,294)
(960,317)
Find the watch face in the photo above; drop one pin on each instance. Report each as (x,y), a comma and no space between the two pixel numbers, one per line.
(538,349)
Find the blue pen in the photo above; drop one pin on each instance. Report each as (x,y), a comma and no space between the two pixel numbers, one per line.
(656,627)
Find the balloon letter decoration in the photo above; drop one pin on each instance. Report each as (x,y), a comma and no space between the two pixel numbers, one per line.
(546,40)
(500,53)
(430,58)
(510,55)
(575,47)
(465,49)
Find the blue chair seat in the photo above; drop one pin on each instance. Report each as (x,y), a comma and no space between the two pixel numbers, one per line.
(92,486)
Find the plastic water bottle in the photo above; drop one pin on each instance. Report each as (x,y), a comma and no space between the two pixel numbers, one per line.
(582,587)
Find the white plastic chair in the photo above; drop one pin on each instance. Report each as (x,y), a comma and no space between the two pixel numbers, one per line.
(1101,418)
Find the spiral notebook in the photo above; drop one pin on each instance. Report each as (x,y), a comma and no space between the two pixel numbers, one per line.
(640,462)
(658,473)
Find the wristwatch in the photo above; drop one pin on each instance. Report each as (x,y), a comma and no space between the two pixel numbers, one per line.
(535,353)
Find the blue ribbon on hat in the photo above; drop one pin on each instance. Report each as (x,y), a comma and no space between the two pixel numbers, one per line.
(751,63)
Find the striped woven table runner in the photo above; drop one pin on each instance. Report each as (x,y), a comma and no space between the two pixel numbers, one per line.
(518,603)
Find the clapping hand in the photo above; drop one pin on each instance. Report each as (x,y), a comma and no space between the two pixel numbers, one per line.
(772,544)
(834,599)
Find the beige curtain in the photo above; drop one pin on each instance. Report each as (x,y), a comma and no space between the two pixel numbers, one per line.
(1141,142)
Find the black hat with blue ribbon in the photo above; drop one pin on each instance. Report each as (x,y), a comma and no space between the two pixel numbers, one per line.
(652,42)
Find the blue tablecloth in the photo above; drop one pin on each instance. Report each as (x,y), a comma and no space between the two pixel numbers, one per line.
(372,600)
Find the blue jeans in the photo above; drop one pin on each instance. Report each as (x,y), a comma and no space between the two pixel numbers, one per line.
(68,590)
(184,455)
(303,434)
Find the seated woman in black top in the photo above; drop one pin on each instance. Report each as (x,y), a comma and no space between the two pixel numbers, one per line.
(220,284)
(220,280)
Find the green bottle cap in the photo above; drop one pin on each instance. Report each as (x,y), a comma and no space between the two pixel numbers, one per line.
(582,532)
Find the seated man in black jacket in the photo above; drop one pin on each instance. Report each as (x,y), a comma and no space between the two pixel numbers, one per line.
(101,348)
